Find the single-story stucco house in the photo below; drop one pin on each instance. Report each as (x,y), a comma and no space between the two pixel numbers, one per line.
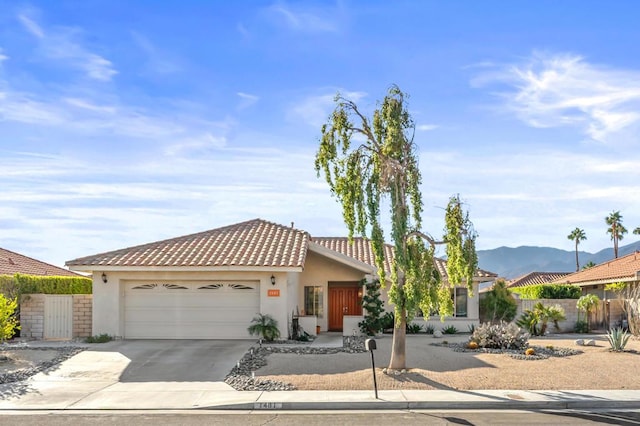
(625,269)
(211,284)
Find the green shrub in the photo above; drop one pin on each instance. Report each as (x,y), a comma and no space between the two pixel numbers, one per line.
(548,291)
(414,328)
(618,339)
(450,329)
(387,321)
(429,329)
(535,320)
(498,304)
(8,321)
(102,338)
(500,336)
(18,284)
(582,326)
(372,322)
(264,325)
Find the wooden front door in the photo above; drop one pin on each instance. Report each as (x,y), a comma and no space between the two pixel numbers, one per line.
(343,301)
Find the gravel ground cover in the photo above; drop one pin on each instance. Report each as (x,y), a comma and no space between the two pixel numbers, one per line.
(445,366)
(19,362)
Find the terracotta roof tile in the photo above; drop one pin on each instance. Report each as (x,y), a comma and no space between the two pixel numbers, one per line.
(13,263)
(253,243)
(362,250)
(534,278)
(622,269)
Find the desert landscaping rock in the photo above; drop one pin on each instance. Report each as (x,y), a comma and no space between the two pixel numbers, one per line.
(63,353)
(242,377)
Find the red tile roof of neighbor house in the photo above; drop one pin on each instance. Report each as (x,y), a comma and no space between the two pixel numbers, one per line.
(533,278)
(362,250)
(13,263)
(626,268)
(253,243)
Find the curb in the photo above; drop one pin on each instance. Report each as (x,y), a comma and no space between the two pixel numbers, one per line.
(428,405)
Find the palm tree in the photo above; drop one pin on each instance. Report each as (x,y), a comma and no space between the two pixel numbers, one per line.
(637,231)
(577,235)
(588,265)
(616,229)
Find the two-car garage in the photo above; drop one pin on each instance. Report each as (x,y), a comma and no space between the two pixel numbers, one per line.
(189,309)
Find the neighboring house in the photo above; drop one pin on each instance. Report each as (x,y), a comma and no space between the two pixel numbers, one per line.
(536,278)
(593,281)
(211,284)
(12,263)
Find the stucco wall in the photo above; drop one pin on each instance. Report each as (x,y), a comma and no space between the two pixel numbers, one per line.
(319,271)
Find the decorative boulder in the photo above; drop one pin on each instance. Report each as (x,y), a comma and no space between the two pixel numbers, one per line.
(590,342)
(437,334)
(580,342)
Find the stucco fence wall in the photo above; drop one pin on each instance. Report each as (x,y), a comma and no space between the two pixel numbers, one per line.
(32,315)
(570,311)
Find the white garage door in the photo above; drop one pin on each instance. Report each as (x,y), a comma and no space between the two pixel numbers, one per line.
(190,309)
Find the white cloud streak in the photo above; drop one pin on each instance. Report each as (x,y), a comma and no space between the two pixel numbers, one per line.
(61,44)
(554,90)
(308,21)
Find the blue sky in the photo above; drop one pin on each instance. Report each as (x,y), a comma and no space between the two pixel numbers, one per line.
(126,122)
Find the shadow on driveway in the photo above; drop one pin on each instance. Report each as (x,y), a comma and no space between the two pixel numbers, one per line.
(176,360)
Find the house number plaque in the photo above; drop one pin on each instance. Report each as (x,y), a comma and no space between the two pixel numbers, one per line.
(273,293)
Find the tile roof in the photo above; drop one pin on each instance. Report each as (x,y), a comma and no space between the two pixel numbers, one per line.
(254,243)
(626,268)
(362,250)
(13,263)
(533,278)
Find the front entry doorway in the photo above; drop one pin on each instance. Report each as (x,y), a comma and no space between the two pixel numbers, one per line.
(345,298)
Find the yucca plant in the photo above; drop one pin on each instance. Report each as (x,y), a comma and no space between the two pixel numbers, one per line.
(618,339)
(264,325)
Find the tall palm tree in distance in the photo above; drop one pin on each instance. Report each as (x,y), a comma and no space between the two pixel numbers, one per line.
(577,235)
(637,231)
(616,229)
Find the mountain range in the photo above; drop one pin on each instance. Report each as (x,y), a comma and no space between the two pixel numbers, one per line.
(513,262)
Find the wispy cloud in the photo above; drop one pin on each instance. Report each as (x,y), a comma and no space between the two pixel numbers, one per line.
(63,45)
(3,57)
(157,60)
(553,90)
(314,110)
(304,19)
(426,127)
(246,100)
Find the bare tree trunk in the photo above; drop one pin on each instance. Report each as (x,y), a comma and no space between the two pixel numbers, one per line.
(577,263)
(398,353)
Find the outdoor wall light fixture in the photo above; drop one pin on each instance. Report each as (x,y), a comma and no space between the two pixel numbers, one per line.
(273,280)
(104,278)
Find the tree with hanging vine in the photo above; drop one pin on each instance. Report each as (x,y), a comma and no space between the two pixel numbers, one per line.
(369,163)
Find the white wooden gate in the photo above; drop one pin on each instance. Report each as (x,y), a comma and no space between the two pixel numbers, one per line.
(58,316)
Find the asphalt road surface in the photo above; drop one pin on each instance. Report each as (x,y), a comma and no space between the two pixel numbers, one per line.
(368,418)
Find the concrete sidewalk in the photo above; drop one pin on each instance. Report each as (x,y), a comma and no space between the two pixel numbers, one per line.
(113,395)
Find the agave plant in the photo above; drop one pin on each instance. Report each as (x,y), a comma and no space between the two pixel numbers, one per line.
(618,339)
(264,325)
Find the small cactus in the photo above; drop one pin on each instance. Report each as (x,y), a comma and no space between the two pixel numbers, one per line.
(530,351)
(472,345)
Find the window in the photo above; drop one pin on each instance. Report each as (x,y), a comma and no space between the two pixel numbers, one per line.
(460,301)
(313,300)
(459,298)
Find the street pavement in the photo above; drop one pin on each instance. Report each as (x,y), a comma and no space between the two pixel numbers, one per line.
(117,380)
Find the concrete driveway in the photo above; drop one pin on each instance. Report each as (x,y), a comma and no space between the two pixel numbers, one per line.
(177,360)
(132,374)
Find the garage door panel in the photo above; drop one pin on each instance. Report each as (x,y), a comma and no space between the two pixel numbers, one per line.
(190,310)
